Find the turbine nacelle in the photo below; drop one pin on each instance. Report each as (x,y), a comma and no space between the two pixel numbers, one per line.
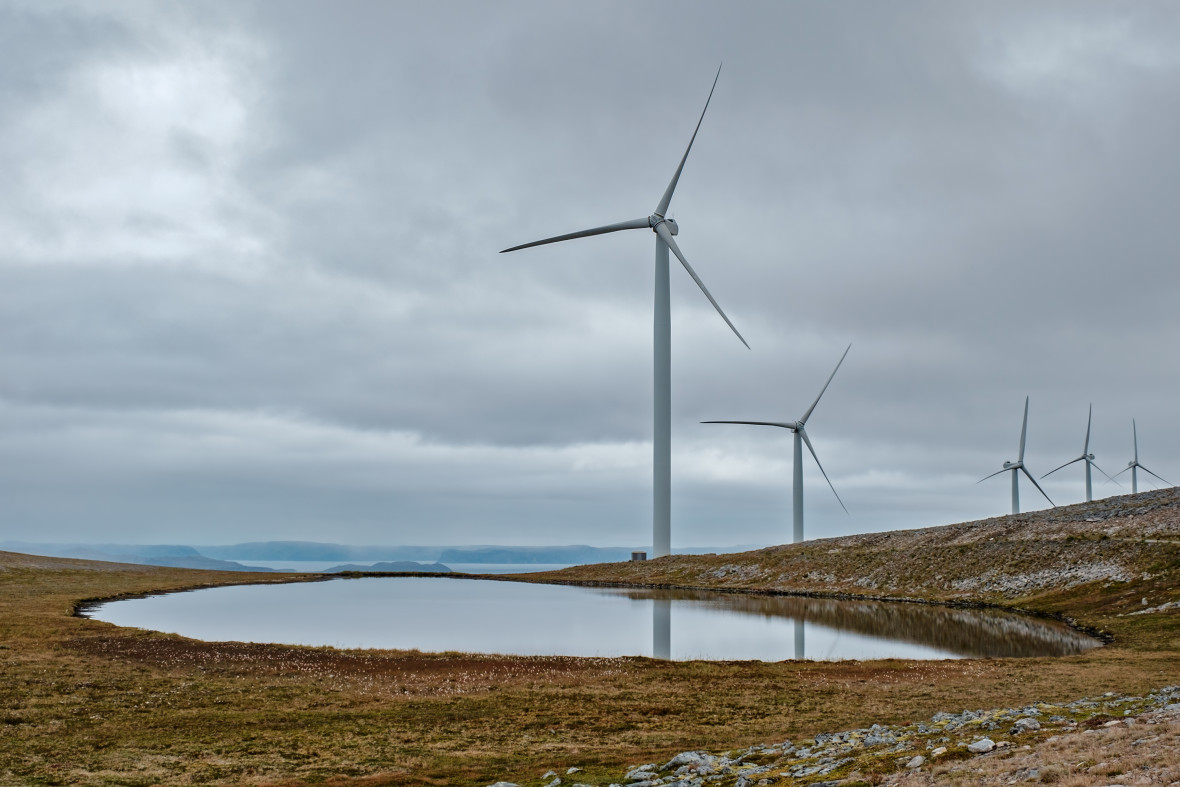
(1089,457)
(655,219)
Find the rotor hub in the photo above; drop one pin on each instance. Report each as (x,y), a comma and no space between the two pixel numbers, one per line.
(655,220)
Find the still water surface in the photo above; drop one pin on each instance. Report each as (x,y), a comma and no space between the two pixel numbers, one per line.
(440,614)
(316,566)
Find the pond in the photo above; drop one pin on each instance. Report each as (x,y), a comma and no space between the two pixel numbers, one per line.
(487,616)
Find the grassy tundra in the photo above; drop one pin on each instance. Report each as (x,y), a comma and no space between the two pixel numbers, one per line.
(84,702)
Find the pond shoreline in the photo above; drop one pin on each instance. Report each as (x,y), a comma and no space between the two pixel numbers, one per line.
(408,610)
(85,607)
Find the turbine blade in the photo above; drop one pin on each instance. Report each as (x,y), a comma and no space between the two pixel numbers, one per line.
(1089,417)
(1119,473)
(635,224)
(1135,433)
(1023,431)
(1166,481)
(662,208)
(993,475)
(666,236)
(754,423)
(807,414)
(1067,464)
(1038,486)
(1100,470)
(806,439)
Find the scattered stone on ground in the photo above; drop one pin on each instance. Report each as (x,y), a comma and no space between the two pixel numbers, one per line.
(841,758)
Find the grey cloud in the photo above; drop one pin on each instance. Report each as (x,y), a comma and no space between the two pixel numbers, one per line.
(980,199)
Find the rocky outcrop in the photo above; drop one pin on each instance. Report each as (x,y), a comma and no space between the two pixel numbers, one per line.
(1117,540)
(833,757)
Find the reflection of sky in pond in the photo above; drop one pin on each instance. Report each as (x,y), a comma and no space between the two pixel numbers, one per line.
(316,566)
(527,619)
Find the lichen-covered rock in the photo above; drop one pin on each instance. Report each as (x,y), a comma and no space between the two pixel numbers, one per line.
(641,773)
(1025,724)
(693,760)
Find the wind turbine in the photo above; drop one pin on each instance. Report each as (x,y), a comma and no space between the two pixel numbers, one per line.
(1018,467)
(1086,457)
(665,229)
(1134,465)
(799,428)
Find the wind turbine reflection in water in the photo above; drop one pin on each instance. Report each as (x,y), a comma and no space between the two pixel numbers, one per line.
(664,229)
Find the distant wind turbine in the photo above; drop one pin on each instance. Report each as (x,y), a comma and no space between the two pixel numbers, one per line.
(1134,465)
(1018,467)
(799,428)
(664,228)
(1086,457)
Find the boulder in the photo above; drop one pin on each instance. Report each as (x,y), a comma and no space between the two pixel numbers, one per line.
(1026,724)
(693,759)
(641,773)
(981,746)
(916,762)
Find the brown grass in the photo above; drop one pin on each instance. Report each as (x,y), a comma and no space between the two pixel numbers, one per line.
(83,702)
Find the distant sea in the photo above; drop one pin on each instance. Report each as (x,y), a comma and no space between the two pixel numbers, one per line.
(312,566)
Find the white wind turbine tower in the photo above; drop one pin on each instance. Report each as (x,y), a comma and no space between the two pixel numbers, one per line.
(1134,465)
(799,428)
(664,228)
(1018,467)
(1086,457)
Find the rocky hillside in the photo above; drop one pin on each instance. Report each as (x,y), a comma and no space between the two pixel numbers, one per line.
(1132,540)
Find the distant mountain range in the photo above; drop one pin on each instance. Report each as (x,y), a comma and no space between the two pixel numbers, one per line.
(317,551)
(575,555)
(397,566)
(354,558)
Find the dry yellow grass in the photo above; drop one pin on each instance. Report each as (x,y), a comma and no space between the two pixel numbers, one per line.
(82,702)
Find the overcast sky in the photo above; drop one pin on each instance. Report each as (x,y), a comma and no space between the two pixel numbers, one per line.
(250,285)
